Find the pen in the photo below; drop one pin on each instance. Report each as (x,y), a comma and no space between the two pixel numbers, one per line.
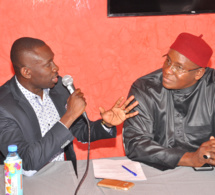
(129,170)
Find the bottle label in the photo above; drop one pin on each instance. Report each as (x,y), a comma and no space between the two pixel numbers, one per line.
(13,177)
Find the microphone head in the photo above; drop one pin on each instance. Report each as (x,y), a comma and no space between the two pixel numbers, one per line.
(67,80)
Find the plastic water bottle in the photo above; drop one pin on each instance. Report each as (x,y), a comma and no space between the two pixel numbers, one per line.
(13,172)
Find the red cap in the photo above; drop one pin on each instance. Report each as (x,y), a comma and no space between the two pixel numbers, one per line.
(194,48)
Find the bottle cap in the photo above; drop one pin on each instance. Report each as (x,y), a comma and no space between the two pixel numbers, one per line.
(12,148)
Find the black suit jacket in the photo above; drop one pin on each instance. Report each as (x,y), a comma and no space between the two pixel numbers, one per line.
(19,125)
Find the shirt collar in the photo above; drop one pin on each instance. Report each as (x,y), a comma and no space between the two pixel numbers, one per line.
(28,94)
(187,90)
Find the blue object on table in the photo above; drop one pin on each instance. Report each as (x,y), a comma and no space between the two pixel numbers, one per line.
(129,170)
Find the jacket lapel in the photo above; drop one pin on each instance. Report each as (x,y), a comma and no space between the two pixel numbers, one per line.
(58,102)
(25,105)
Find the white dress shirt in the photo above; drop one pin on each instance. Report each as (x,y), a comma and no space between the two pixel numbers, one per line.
(46,113)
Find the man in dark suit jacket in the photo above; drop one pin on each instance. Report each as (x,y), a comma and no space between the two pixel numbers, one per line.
(21,122)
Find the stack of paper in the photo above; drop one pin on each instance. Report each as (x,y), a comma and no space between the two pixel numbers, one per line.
(112,169)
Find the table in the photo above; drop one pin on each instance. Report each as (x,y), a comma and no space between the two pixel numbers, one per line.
(58,178)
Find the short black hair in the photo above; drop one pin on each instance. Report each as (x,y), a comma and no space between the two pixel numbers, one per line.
(19,46)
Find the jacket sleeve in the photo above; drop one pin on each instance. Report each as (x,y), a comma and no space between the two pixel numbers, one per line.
(34,153)
(139,133)
(80,130)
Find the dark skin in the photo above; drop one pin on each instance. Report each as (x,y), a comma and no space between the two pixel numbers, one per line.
(173,80)
(37,71)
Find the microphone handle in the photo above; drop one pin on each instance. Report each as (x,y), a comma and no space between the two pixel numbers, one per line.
(71,91)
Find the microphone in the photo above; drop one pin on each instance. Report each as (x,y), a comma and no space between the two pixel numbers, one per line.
(68,83)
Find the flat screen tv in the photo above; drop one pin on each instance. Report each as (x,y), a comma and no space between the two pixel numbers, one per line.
(159,7)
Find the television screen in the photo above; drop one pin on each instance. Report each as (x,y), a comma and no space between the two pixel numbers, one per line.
(159,7)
